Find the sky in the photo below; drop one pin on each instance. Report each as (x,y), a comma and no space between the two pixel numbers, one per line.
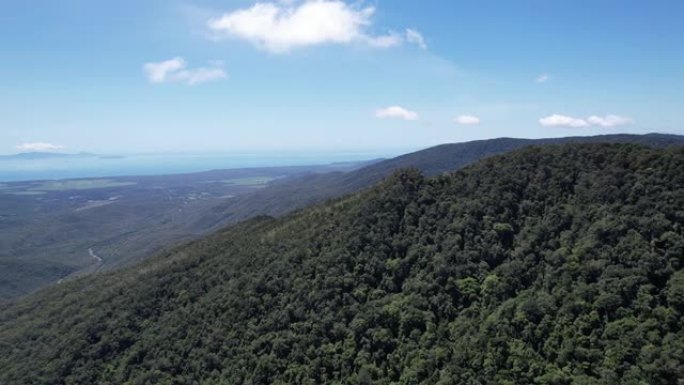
(146,76)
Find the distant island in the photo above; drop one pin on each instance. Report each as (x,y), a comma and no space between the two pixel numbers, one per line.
(52,155)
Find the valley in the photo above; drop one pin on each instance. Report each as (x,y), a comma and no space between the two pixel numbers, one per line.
(47,227)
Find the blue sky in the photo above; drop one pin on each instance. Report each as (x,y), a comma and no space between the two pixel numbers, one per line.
(168,75)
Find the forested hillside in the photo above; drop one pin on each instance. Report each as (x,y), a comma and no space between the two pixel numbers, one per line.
(45,235)
(549,265)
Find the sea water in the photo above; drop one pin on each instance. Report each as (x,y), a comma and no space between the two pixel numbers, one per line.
(157,164)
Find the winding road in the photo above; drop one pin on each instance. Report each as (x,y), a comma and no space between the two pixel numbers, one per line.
(98,263)
(92,254)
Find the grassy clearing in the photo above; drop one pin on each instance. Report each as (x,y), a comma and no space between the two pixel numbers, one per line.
(93,205)
(250,181)
(27,192)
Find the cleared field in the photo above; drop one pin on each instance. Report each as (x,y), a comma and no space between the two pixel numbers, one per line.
(94,204)
(251,181)
(27,192)
(80,184)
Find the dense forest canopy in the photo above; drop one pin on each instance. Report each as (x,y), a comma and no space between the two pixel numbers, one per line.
(549,265)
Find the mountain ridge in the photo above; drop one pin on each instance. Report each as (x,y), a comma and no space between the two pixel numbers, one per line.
(301,192)
(548,265)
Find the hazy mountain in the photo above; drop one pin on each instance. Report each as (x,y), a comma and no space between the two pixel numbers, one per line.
(552,265)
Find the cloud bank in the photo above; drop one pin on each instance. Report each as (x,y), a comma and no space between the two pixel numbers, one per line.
(557,120)
(396,112)
(175,71)
(610,121)
(39,147)
(280,27)
(467,120)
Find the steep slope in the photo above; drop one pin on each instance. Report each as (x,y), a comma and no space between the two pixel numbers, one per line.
(555,265)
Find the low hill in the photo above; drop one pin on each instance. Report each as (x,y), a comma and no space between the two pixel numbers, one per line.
(553,265)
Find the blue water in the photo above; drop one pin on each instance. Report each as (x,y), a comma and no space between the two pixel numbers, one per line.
(157,164)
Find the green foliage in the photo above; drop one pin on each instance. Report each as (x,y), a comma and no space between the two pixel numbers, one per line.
(557,265)
(675,291)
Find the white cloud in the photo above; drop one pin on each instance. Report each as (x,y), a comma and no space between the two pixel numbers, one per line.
(281,26)
(39,147)
(175,71)
(562,121)
(396,112)
(415,37)
(467,120)
(601,121)
(609,121)
(159,72)
(543,78)
(392,39)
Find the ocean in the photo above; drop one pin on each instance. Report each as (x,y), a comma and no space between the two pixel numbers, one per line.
(159,164)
